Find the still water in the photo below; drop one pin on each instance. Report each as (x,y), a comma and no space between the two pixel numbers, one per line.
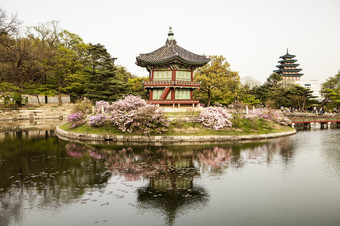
(288,181)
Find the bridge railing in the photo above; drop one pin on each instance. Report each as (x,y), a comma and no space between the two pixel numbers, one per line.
(314,118)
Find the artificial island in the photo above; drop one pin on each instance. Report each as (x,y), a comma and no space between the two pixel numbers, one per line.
(171,84)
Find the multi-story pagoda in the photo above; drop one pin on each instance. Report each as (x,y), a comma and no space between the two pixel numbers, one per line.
(288,67)
(171,70)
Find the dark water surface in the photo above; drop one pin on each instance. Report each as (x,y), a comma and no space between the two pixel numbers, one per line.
(288,181)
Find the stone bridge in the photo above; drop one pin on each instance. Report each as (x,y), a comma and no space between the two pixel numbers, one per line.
(309,119)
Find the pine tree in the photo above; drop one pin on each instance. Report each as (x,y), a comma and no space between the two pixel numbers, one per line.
(102,82)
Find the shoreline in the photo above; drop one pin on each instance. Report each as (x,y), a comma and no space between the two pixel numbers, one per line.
(127,139)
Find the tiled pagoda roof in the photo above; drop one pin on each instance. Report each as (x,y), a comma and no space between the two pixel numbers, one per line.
(287,61)
(287,66)
(171,53)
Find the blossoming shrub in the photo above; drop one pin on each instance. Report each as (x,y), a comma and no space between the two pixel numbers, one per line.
(76,119)
(102,105)
(269,114)
(129,103)
(215,118)
(133,114)
(97,120)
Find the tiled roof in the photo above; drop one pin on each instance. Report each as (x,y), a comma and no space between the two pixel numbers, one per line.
(288,65)
(169,53)
(287,56)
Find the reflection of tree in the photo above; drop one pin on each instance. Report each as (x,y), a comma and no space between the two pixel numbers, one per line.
(286,149)
(49,172)
(214,159)
(41,173)
(171,170)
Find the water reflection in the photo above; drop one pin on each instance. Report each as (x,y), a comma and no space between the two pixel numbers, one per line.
(40,173)
(171,171)
(49,173)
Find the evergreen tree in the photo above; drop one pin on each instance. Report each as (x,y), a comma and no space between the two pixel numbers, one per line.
(102,82)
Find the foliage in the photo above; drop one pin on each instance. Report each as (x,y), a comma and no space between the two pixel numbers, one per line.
(269,114)
(299,97)
(102,83)
(137,88)
(276,93)
(331,91)
(83,107)
(215,118)
(97,120)
(76,119)
(218,82)
(49,60)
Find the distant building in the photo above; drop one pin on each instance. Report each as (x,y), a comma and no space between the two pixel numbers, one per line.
(288,68)
(313,85)
(171,69)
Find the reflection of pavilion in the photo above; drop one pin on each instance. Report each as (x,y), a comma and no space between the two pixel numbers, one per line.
(173,192)
(171,202)
(171,189)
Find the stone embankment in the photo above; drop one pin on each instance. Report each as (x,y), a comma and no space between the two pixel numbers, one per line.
(163,139)
(46,112)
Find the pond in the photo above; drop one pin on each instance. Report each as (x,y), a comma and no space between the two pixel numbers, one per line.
(287,181)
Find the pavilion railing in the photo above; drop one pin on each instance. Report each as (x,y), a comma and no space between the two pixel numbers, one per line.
(161,83)
(173,102)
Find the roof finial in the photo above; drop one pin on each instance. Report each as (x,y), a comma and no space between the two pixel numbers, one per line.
(171,34)
(287,50)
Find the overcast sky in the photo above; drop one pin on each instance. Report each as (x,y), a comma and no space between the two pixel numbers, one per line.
(250,34)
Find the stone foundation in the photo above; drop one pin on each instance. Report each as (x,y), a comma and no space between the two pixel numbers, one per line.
(126,139)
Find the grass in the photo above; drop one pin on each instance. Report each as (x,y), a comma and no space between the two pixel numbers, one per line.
(188,114)
(183,128)
(106,129)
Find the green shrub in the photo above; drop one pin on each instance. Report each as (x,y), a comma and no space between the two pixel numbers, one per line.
(85,108)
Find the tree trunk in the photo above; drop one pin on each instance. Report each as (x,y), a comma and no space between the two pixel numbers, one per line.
(303,105)
(323,102)
(37,96)
(59,97)
(209,98)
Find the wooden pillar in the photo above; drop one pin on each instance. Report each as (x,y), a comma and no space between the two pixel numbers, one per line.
(173,75)
(192,75)
(173,94)
(191,94)
(151,75)
(151,93)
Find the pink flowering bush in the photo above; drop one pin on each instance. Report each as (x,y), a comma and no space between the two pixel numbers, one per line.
(215,118)
(133,114)
(76,119)
(269,114)
(97,120)
(129,103)
(102,105)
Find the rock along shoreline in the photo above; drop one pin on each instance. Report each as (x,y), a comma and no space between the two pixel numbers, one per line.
(126,139)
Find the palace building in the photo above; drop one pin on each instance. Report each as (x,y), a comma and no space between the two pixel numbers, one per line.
(171,69)
(288,67)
